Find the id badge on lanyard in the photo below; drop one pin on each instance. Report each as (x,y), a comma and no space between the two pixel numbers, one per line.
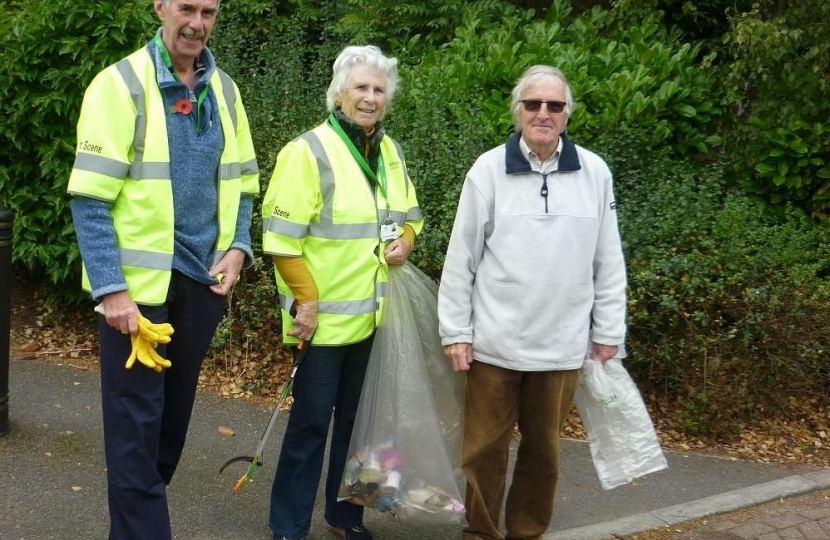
(388,229)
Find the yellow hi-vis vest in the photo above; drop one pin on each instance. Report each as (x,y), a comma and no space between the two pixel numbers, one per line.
(320,206)
(123,157)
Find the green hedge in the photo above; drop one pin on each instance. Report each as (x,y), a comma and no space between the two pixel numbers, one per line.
(729,310)
(778,57)
(49,52)
(728,306)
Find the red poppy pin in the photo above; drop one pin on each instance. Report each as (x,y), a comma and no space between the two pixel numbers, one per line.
(183,106)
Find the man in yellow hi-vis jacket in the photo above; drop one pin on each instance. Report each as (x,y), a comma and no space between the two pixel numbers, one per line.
(162,195)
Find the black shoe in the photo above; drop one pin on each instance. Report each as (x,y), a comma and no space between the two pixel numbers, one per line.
(280,537)
(354,533)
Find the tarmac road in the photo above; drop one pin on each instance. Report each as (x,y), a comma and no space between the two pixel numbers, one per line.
(53,484)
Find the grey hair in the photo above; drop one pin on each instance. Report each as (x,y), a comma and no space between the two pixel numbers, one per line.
(534,76)
(361,55)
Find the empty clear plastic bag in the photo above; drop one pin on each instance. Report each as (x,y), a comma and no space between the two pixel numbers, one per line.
(621,436)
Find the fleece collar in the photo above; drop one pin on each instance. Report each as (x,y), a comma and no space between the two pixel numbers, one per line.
(517,163)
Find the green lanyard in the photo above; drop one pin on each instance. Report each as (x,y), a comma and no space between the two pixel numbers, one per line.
(380,179)
(165,56)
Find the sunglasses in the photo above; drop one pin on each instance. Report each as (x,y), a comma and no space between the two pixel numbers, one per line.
(535,105)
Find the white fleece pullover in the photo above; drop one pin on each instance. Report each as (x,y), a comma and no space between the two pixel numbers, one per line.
(530,280)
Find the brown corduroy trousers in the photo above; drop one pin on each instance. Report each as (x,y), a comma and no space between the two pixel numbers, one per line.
(498,399)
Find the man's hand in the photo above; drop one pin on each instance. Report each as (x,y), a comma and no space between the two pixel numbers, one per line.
(304,321)
(603,353)
(121,312)
(460,355)
(397,251)
(227,271)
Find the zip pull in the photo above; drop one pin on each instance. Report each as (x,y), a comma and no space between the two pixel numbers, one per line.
(544,191)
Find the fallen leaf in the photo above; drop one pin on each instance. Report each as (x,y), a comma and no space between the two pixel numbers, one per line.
(256,366)
(32,346)
(226,431)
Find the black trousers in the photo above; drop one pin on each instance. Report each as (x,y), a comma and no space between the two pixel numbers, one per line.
(146,414)
(328,383)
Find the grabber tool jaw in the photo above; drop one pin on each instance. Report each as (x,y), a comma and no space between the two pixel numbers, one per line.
(256,460)
(253,463)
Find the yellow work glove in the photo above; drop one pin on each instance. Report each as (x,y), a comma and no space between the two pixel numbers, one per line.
(145,342)
(155,333)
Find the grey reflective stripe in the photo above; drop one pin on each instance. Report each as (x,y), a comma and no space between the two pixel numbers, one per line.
(230,96)
(286,301)
(284,228)
(125,69)
(347,307)
(380,289)
(139,170)
(250,167)
(397,217)
(101,165)
(344,307)
(326,176)
(344,231)
(146,259)
(229,171)
(326,228)
(218,256)
(414,214)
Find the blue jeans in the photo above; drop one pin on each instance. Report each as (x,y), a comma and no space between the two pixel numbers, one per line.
(146,414)
(329,379)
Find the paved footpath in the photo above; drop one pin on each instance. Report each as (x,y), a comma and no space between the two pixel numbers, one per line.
(804,516)
(53,483)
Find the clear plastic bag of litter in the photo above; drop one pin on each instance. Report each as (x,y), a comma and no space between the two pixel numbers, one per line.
(405,452)
(621,436)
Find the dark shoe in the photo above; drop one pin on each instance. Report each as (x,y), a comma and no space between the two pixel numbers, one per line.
(355,533)
(280,537)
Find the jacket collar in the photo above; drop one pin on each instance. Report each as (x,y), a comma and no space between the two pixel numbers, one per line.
(517,163)
(369,146)
(357,134)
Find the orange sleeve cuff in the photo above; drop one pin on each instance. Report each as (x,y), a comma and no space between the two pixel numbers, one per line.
(295,274)
(409,234)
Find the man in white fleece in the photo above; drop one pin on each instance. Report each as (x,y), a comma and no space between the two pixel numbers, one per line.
(533,282)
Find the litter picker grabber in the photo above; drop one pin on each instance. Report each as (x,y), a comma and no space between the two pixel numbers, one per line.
(256,460)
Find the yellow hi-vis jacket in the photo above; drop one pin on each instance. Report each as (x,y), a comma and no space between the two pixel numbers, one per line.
(123,157)
(320,206)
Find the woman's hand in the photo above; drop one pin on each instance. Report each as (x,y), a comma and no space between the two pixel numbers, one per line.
(304,321)
(397,251)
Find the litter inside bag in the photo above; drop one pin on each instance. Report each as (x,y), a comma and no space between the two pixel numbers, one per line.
(621,436)
(405,452)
